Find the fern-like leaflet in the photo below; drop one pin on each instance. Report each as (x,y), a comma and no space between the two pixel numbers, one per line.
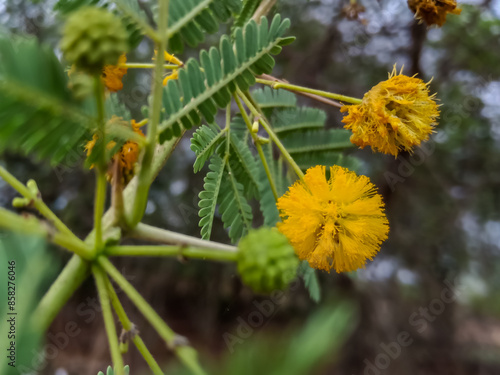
(190,19)
(205,88)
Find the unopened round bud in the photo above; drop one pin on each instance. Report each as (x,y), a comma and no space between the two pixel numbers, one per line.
(92,38)
(266,260)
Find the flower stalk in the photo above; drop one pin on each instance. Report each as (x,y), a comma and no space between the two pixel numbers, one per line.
(261,118)
(109,321)
(149,66)
(325,94)
(128,326)
(141,195)
(68,281)
(100,189)
(173,251)
(258,144)
(36,201)
(185,353)
(150,233)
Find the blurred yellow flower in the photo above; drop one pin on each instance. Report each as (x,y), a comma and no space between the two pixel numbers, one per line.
(394,116)
(174,75)
(128,153)
(172,60)
(433,12)
(169,58)
(112,74)
(336,223)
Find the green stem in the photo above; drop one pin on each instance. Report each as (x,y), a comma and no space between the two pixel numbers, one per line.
(263,9)
(117,194)
(257,143)
(141,195)
(149,233)
(77,247)
(33,226)
(100,189)
(272,134)
(227,129)
(173,251)
(36,201)
(162,153)
(186,354)
(149,66)
(325,94)
(71,277)
(100,199)
(130,328)
(109,321)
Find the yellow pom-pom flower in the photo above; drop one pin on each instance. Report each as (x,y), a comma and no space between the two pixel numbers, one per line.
(112,75)
(395,115)
(128,154)
(336,223)
(433,12)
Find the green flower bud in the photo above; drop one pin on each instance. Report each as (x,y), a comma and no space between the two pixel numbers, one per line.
(20,202)
(81,84)
(266,260)
(93,37)
(33,187)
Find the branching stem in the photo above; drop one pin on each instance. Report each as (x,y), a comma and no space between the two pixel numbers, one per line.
(185,353)
(262,120)
(144,178)
(128,326)
(258,144)
(109,321)
(325,94)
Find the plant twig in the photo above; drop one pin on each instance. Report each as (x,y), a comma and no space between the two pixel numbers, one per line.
(150,233)
(71,277)
(100,188)
(141,194)
(258,145)
(263,9)
(149,66)
(117,194)
(185,353)
(173,251)
(32,226)
(36,201)
(109,321)
(273,81)
(129,327)
(272,134)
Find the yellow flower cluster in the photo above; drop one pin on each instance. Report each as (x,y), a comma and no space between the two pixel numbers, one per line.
(336,223)
(394,116)
(128,154)
(112,75)
(433,12)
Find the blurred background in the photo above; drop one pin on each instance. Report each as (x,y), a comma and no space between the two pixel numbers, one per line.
(429,303)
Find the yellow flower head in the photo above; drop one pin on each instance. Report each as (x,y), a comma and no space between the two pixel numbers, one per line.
(112,74)
(337,223)
(128,153)
(433,12)
(394,116)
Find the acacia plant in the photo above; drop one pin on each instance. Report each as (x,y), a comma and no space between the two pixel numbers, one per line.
(259,144)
